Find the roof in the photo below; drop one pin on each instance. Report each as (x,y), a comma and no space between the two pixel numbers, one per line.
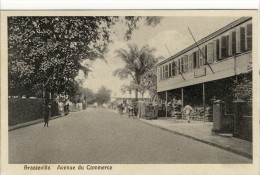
(207,38)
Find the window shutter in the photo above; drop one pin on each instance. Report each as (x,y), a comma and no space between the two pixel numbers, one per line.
(176,71)
(249,37)
(201,58)
(238,46)
(234,43)
(167,70)
(185,63)
(194,60)
(223,47)
(190,67)
(179,66)
(242,39)
(170,69)
(210,53)
(230,43)
(158,73)
(197,59)
(220,49)
(206,54)
(173,68)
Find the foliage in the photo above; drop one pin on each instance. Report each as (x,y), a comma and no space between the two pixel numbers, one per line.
(47,52)
(138,62)
(103,95)
(50,50)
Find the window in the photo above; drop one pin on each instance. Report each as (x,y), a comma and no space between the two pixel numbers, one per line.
(216,48)
(195,63)
(158,73)
(173,68)
(233,49)
(170,69)
(201,57)
(182,65)
(161,71)
(205,54)
(210,53)
(166,71)
(179,66)
(224,47)
(190,63)
(242,39)
(185,60)
(197,58)
(249,36)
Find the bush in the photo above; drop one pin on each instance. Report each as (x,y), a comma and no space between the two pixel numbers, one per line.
(24,110)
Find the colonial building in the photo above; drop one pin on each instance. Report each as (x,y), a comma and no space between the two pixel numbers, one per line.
(209,69)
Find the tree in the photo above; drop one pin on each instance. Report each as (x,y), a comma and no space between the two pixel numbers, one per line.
(103,95)
(49,51)
(137,63)
(45,53)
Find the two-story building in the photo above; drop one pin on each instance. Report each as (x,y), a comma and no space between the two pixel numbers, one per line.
(208,69)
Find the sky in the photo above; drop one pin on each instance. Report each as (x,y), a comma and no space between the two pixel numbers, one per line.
(172,31)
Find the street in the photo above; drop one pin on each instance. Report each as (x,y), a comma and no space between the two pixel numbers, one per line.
(101,136)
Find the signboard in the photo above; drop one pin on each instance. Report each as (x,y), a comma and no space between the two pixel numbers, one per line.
(200,72)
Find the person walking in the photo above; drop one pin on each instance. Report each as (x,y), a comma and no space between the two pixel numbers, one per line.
(48,115)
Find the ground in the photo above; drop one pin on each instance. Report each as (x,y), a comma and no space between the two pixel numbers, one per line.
(100,136)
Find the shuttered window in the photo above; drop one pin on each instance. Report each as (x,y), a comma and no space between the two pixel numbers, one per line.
(238,45)
(234,43)
(242,39)
(201,58)
(179,66)
(224,47)
(197,58)
(249,36)
(182,65)
(173,69)
(190,63)
(217,49)
(166,71)
(161,73)
(158,73)
(230,43)
(170,69)
(185,60)
(210,53)
(205,54)
(195,63)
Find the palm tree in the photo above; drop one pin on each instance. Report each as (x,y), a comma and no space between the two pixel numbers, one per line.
(137,63)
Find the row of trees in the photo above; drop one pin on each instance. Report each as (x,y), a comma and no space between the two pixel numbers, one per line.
(102,96)
(45,53)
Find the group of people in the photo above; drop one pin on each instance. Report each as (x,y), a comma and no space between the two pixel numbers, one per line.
(127,107)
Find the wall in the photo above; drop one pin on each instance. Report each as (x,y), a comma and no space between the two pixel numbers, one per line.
(221,69)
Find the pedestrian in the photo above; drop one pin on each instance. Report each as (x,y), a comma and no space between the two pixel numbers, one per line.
(48,115)
(187,112)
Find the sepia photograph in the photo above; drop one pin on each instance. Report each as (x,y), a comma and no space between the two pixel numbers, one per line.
(98,90)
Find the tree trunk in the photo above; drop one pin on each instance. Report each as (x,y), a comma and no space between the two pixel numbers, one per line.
(43,101)
(136,95)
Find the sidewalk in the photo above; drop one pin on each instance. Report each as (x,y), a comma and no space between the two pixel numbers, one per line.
(200,131)
(21,125)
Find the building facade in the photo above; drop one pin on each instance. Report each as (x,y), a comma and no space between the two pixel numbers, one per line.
(207,69)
